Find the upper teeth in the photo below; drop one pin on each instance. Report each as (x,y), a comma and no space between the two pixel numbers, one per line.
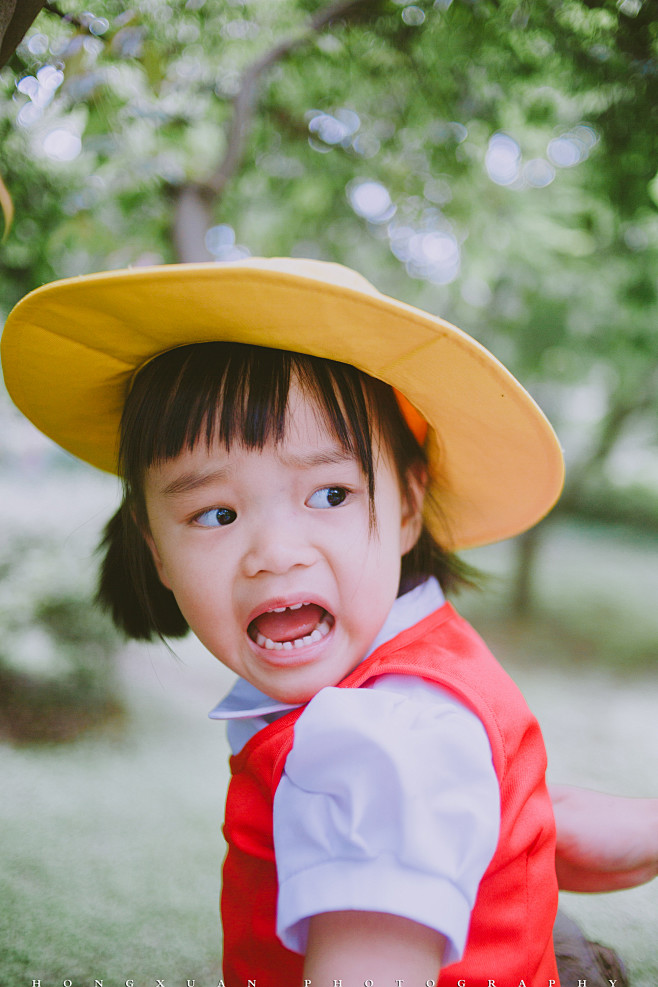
(293,606)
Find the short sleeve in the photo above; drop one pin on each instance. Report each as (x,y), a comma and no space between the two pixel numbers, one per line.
(388,802)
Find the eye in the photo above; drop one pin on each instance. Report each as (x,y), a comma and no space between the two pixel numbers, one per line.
(327,497)
(216,518)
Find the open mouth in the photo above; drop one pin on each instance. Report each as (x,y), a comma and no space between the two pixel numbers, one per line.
(287,628)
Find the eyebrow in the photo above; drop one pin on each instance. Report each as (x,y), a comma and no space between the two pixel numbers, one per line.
(197,479)
(193,480)
(323,457)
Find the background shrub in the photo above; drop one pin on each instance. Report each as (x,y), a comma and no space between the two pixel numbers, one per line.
(57,650)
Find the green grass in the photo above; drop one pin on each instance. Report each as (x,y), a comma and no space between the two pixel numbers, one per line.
(112,848)
(112,845)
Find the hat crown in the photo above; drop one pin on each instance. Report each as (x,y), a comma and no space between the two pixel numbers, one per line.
(316,270)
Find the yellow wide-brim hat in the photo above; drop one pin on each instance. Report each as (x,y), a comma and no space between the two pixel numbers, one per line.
(70,351)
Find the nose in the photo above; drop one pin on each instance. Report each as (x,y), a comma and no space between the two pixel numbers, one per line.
(277,546)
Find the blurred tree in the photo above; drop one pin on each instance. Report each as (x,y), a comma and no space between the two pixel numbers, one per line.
(491,161)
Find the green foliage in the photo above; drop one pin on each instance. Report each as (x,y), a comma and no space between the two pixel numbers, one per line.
(56,650)
(631,507)
(511,149)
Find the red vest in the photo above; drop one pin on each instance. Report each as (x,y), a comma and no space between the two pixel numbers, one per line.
(510,936)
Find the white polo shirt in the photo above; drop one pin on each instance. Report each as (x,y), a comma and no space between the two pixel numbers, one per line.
(388,801)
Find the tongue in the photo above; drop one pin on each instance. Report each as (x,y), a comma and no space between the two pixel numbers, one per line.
(289,625)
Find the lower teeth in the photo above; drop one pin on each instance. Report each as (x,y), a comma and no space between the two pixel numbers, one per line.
(320,631)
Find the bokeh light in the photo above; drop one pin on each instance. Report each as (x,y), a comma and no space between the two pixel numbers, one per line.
(503,159)
(62,144)
(371,200)
(220,242)
(572,147)
(334,128)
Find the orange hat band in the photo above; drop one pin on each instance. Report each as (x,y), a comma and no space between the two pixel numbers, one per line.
(417,424)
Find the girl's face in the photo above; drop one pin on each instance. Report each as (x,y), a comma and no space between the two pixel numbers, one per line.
(271,554)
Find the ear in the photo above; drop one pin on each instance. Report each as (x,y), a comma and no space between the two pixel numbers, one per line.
(413,498)
(157,561)
(155,555)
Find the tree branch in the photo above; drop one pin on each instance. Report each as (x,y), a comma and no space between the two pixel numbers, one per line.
(194,201)
(243,107)
(52,8)
(15,20)
(622,408)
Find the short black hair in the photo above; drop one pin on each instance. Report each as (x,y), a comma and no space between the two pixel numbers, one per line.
(235,392)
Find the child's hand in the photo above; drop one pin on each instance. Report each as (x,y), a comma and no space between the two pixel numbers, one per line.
(604,842)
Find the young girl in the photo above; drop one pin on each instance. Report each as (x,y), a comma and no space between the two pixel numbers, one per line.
(300,457)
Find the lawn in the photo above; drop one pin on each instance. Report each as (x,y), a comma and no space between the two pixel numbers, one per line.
(112,844)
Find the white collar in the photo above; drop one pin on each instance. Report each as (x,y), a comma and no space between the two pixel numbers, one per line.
(246,701)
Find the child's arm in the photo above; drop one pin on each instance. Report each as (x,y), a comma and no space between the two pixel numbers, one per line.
(382,828)
(604,842)
(355,947)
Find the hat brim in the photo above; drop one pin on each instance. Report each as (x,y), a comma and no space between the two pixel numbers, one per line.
(70,351)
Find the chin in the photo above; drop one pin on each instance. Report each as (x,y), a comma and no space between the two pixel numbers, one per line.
(300,692)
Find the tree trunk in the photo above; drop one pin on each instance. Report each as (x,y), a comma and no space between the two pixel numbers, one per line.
(527,551)
(621,409)
(192,220)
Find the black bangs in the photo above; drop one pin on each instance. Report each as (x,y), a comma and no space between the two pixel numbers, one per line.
(234,392)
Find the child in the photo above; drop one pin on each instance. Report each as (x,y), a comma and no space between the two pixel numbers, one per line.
(300,457)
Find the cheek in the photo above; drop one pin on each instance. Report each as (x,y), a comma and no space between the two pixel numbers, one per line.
(390,525)
(196,602)
(376,559)
(200,582)
(171,564)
